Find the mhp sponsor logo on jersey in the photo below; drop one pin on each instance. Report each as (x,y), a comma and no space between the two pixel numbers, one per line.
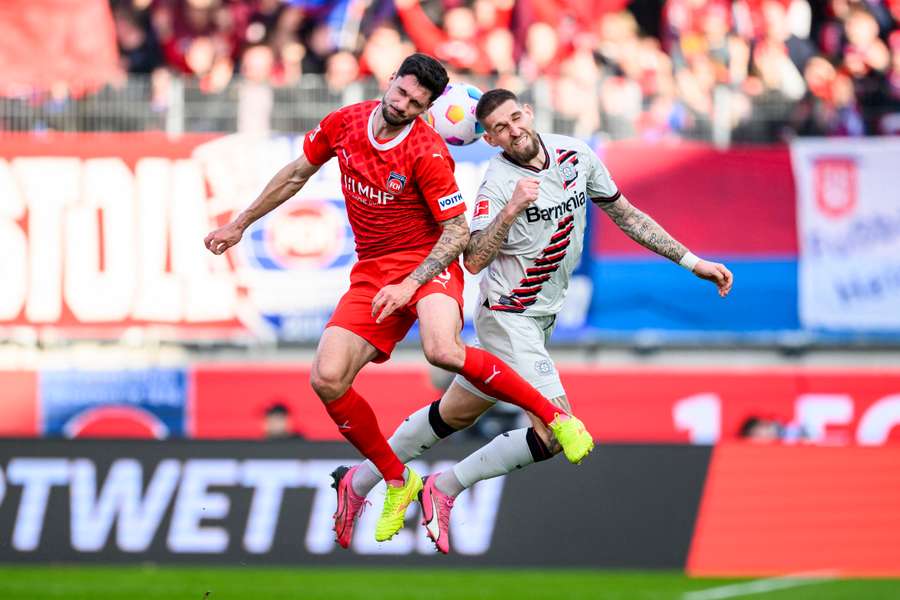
(570,205)
(363,191)
(304,234)
(142,403)
(448,202)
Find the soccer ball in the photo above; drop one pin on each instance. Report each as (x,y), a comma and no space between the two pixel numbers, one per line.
(453,114)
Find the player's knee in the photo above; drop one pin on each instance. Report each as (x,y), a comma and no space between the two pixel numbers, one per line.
(328,385)
(445,355)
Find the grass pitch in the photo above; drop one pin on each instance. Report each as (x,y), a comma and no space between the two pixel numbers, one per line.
(246,583)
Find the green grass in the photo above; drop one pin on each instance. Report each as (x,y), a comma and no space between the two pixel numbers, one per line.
(245,583)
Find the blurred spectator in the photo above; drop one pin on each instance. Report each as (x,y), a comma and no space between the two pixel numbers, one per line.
(178,25)
(341,70)
(768,430)
(816,114)
(759,70)
(204,61)
(758,429)
(890,123)
(255,96)
(319,46)
(289,69)
(277,423)
(542,54)
(778,32)
(138,47)
(867,60)
(458,42)
(383,51)
(499,46)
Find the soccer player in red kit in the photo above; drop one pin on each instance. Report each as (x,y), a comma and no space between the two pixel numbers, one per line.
(407,216)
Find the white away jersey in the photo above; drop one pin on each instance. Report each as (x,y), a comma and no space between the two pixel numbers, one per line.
(531,272)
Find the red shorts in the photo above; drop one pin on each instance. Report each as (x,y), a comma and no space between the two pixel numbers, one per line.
(354,311)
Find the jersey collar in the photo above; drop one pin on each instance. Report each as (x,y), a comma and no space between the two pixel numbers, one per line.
(391,143)
(529,167)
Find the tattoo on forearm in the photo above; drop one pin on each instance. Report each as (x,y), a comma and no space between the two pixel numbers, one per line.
(644,230)
(447,249)
(484,245)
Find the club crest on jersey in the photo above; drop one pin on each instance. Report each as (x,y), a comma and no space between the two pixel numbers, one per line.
(567,159)
(396,182)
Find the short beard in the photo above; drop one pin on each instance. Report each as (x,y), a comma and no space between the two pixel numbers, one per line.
(390,119)
(530,151)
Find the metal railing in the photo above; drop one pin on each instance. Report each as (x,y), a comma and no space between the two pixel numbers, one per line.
(178,105)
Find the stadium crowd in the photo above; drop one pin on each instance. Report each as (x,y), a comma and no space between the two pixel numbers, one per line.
(638,68)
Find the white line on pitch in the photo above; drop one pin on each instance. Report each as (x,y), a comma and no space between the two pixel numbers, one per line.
(761,586)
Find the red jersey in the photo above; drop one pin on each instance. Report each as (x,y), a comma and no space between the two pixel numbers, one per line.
(396,191)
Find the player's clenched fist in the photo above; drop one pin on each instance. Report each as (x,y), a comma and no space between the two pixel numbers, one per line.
(224,238)
(525,193)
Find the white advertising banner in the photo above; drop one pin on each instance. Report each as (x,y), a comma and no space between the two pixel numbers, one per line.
(848,219)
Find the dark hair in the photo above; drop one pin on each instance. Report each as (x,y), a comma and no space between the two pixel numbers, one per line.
(277,408)
(490,100)
(427,70)
(748,425)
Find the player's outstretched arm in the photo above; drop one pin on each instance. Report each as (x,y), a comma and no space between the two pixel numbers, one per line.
(447,249)
(483,245)
(640,227)
(282,186)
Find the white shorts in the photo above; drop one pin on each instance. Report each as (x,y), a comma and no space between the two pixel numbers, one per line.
(521,342)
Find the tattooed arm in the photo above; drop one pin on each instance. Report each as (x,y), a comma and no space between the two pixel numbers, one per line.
(283,185)
(484,245)
(447,249)
(640,227)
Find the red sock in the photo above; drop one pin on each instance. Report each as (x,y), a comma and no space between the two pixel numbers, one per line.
(497,379)
(356,421)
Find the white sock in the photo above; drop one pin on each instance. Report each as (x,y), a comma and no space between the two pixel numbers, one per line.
(413,437)
(505,453)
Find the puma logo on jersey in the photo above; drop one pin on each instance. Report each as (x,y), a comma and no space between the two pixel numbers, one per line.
(345,425)
(314,133)
(494,374)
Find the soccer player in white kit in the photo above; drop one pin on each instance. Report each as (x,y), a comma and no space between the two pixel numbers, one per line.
(528,232)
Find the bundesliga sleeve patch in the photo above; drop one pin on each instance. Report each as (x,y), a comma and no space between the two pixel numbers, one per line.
(448,202)
(482,208)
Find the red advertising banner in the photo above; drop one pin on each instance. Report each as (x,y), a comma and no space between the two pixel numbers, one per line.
(618,405)
(716,202)
(776,510)
(657,405)
(19,404)
(230,400)
(102,234)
